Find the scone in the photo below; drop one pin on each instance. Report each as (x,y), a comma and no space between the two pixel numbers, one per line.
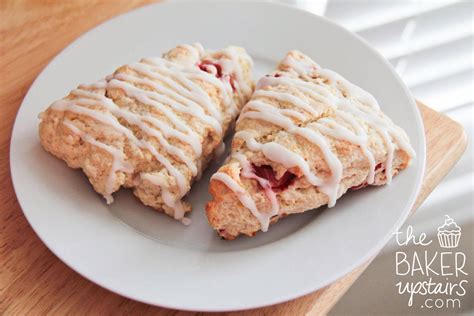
(306,137)
(152,125)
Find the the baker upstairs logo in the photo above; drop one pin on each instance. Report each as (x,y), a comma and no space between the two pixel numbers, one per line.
(449,233)
(431,275)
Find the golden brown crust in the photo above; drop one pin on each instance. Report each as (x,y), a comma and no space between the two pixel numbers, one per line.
(230,217)
(96,162)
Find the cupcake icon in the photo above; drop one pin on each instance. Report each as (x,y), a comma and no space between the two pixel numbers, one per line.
(449,233)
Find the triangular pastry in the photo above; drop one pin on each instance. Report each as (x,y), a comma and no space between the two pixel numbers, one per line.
(152,125)
(305,138)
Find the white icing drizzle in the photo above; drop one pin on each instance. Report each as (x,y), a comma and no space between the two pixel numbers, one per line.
(353,105)
(226,91)
(278,153)
(289,159)
(366,108)
(186,221)
(118,158)
(178,92)
(243,196)
(171,200)
(76,106)
(165,95)
(138,120)
(328,127)
(243,87)
(315,92)
(248,172)
(288,98)
(181,131)
(305,65)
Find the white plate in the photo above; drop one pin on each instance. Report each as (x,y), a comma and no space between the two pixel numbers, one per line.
(142,254)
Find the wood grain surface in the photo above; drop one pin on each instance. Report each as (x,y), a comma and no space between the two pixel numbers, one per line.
(32,280)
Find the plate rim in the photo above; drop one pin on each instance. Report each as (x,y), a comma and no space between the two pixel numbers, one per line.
(284,298)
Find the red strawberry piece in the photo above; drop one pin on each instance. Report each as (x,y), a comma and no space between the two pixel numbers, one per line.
(266,172)
(206,65)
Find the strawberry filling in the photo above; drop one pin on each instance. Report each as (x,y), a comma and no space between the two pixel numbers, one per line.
(216,69)
(207,66)
(266,172)
(276,75)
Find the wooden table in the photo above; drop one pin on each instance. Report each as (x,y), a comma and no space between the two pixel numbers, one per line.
(32,279)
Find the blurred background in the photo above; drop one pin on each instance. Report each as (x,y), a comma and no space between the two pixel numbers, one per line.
(430,43)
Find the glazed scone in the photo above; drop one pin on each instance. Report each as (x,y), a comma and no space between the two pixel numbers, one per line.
(304,139)
(152,125)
